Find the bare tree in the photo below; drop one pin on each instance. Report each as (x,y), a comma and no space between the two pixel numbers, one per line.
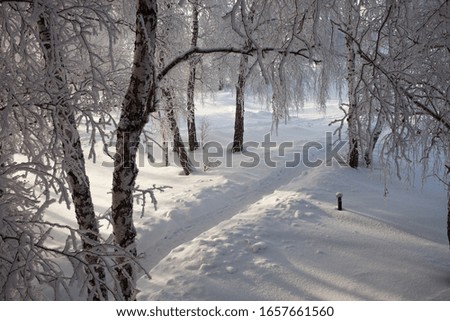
(139,102)
(66,129)
(275,34)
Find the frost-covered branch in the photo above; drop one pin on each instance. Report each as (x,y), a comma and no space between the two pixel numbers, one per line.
(196,50)
(141,195)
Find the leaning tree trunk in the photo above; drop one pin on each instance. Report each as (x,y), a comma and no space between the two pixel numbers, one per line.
(353,153)
(177,141)
(192,131)
(138,103)
(238,140)
(74,163)
(178,145)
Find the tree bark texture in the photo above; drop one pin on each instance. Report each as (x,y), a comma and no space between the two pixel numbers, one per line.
(74,163)
(136,107)
(178,144)
(353,153)
(192,131)
(238,140)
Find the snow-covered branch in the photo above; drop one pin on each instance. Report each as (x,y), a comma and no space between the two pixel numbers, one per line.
(251,51)
(141,196)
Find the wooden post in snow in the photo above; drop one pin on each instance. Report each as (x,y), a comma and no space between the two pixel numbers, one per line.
(339,201)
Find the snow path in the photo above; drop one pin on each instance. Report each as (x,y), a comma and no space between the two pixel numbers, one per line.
(234,198)
(209,198)
(293,245)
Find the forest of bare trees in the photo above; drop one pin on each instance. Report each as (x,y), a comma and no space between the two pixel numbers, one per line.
(115,66)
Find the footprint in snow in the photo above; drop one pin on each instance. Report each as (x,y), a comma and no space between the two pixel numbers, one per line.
(257,247)
(205,267)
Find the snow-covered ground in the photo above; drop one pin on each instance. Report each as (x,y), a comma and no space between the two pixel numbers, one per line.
(235,232)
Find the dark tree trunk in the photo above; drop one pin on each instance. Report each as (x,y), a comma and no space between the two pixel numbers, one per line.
(136,107)
(74,163)
(353,155)
(192,131)
(166,153)
(178,144)
(238,140)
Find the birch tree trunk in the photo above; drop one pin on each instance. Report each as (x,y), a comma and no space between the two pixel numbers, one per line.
(74,163)
(138,103)
(353,154)
(238,140)
(192,131)
(177,141)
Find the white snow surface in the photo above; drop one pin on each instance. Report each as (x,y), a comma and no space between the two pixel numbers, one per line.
(274,233)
